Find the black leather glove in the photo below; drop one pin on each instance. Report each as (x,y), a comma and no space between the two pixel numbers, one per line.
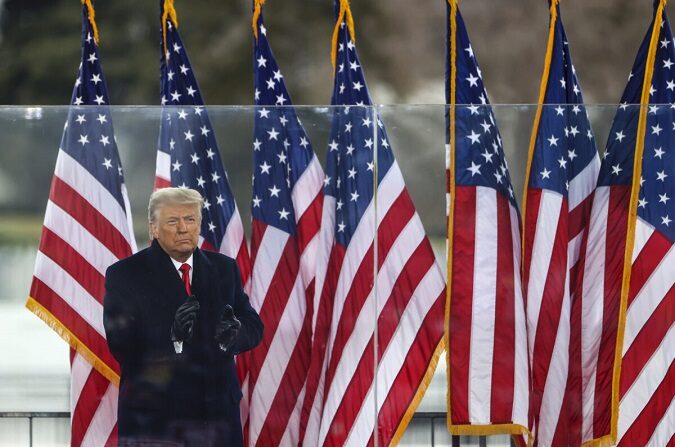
(227,329)
(184,320)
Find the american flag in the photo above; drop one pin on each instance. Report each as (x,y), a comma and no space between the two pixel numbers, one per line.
(188,154)
(286,210)
(638,382)
(563,169)
(379,289)
(87,227)
(488,387)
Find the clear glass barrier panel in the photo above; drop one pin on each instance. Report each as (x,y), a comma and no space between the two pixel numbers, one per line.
(34,373)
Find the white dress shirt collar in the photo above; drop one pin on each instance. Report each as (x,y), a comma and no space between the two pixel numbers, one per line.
(177,265)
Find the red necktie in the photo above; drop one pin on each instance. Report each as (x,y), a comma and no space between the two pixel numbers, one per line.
(185,274)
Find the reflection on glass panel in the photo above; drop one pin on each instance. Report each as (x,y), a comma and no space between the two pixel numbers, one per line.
(441,435)
(14,432)
(34,374)
(498,441)
(418,434)
(51,432)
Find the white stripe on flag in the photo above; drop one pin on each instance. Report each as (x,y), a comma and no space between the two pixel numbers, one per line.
(308,263)
(79,238)
(163,166)
(362,240)
(665,430)
(70,291)
(556,380)
(593,285)
(394,356)
(129,234)
(269,253)
(234,236)
(277,358)
(104,419)
(649,297)
(544,240)
(403,247)
(584,183)
(291,435)
(521,383)
(643,231)
(644,386)
(483,306)
(75,175)
(307,187)
(574,248)
(326,238)
(79,372)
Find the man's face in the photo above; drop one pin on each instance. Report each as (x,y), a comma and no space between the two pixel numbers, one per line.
(176,228)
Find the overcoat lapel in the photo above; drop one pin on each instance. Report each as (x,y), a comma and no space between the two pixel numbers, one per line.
(166,280)
(201,274)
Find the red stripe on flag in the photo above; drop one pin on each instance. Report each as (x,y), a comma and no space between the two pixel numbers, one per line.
(360,383)
(291,383)
(112,439)
(70,260)
(647,341)
(206,245)
(400,393)
(361,286)
(161,183)
(461,303)
(578,216)
(352,400)
(503,361)
(87,405)
(274,304)
(416,267)
(643,426)
(309,223)
(533,202)
(396,219)
(617,219)
(89,217)
(568,429)
(393,223)
(257,232)
(320,336)
(243,263)
(646,262)
(549,312)
(80,328)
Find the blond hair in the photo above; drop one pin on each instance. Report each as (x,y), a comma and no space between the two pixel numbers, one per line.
(174,196)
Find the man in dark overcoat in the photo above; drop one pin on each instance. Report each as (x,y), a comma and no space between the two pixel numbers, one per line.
(175,316)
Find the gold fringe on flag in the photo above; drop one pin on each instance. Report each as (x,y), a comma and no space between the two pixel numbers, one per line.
(452,45)
(69,337)
(169,13)
(345,13)
(92,18)
(257,8)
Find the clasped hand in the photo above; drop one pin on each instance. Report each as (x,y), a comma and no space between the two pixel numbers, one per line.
(184,320)
(227,329)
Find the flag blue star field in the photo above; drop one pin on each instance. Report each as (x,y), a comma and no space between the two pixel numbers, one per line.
(407,309)
(87,228)
(188,154)
(641,398)
(563,170)
(286,211)
(489,392)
